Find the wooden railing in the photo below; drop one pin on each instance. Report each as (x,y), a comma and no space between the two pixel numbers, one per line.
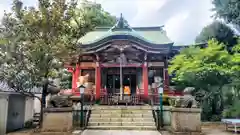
(129,99)
(155,97)
(115,99)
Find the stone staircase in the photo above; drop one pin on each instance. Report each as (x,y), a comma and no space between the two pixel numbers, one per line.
(122,118)
(36,119)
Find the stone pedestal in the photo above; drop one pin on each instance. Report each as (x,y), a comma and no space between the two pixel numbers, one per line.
(186,121)
(57,120)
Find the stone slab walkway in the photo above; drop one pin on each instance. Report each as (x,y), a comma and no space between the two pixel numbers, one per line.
(119,132)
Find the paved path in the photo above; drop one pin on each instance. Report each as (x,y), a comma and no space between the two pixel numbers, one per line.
(119,132)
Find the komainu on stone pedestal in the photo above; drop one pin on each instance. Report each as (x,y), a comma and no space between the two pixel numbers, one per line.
(186,101)
(185,114)
(60,101)
(58,98)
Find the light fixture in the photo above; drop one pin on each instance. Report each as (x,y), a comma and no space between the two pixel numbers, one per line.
(81,89)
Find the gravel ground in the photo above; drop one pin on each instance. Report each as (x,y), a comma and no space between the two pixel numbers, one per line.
(206,131)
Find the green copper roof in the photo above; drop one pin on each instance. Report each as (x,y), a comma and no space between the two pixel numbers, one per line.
(154,35)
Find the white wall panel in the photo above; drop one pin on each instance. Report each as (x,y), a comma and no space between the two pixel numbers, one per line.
(16,112)
(29,108)
(37,104)
(3,113)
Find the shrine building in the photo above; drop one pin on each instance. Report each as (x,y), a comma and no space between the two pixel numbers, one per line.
(124,60)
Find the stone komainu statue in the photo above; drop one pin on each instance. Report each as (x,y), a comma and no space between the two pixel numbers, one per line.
(58,98)
(186,101)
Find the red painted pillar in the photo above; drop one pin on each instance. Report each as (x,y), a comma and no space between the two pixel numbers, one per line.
(76,77)
(73,81)
(73,77)
(145,79)
(75,74)
(98,80)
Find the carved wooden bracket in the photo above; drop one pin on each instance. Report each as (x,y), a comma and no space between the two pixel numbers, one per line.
(97,57)
(145,57)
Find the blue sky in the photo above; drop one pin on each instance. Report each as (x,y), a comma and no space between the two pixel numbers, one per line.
(183,19)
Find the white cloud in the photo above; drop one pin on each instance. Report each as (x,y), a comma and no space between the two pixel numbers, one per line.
(4,6)
(185,24)
(147,12)
(127,7)
(183,19)
(174,24)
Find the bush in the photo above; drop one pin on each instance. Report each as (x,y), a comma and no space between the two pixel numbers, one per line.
(216,117)
(233,111)
(28,124)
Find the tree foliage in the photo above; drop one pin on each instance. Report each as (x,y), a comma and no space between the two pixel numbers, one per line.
(229,10)
(219,31)
(208,70)
(202,67)
(35,42)
(232,96)
(93,14)
(66,80)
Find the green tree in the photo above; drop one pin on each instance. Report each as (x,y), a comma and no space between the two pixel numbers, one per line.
(235,69)
(93,14)
(232,96)
(219,31)
(229,10)
(208,71)
(35,42)
(66,80)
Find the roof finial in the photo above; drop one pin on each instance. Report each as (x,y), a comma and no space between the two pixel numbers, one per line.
(121,22)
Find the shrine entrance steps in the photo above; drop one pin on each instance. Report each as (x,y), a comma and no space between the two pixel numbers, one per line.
(122,118)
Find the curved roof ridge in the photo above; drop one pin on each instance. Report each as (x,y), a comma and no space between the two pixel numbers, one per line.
(137,27)
(133,33)
(153,35)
